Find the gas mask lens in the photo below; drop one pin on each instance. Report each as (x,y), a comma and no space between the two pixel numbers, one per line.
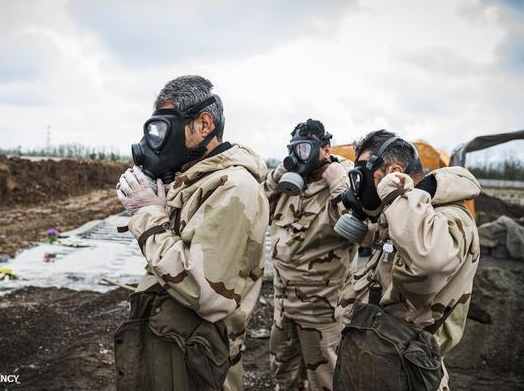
(156,133)
(303,150)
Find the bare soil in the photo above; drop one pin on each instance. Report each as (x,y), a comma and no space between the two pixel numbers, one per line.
(60,339)
(36,196)
(22,225)
(25,182)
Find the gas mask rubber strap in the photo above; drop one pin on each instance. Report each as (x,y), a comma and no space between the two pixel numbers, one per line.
(376,160)
(324,140)
(414,159)
(385,202)
(193,111)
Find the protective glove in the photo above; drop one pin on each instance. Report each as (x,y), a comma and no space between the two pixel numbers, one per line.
(135,192)
(333,172)
(278,172)
(351,203)
(394,181)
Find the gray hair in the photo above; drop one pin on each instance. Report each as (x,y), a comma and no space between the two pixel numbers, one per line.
(185,91)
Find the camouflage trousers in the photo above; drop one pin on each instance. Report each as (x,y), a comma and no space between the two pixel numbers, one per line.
(234,377)
(303,355)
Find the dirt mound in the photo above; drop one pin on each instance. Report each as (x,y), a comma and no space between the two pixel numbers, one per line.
(25,182)
(490,208)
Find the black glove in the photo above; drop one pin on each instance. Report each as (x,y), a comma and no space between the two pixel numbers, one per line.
(350,202)
(428,184)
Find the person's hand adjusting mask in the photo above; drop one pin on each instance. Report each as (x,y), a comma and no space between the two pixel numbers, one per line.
(278,172)
(333,172)
(134,191)
(392,182)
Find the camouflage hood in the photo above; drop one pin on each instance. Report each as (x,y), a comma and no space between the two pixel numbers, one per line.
(454,184)
(237,155)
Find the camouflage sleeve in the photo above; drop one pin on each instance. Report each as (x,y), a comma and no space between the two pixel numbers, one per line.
(432,245)
(270,187)
(336,189)
(207,266)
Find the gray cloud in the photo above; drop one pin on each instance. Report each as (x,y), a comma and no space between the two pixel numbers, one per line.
(510,15)
(25,57)
(143,34)
(440,60)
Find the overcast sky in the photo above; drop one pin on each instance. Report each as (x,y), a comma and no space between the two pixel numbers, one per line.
(443,71)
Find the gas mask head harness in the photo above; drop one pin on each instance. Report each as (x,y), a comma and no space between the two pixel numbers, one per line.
(362,197)
(162,151)
(304,155)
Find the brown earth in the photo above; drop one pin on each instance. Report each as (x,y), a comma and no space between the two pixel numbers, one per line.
(25,182)
(21,226)
(60,339)
(36,196)
(490,208)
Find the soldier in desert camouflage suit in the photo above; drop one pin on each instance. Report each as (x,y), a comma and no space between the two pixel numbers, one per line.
(436,247)
(211,261)
(311,262)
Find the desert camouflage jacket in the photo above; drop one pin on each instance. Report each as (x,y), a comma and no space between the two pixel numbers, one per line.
(434,259)
(212,262)
(311,260)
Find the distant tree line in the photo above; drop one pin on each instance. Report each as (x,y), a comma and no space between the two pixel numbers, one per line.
(69,151)
(508,169)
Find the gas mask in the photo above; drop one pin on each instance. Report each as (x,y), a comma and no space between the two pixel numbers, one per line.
(362,197)
(162,151)
(303,159)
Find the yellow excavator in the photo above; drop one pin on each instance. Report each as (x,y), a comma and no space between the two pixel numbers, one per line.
(433,158)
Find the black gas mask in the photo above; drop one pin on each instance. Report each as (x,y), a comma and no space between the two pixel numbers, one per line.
(303,159)
(362,197)
(162,151)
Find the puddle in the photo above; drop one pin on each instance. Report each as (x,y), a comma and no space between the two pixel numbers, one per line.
(108,255)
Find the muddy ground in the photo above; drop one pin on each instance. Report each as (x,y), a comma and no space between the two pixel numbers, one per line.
(60,339)
(36,196)
(21,226)
(25,182)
